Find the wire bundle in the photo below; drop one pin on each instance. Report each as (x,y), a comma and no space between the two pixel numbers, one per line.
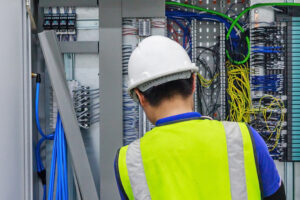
(59,153)
(126,50)
(208,88)
(268,83)
(40,167)
(130,116)
(239,92)
(182,20)
(130,107)
(158,23)
(183,35)
(59,162)
(267,49)
(86,105)
(129,27)
(272,110)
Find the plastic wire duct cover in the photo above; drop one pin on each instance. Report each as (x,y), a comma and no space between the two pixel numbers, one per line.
(162,80)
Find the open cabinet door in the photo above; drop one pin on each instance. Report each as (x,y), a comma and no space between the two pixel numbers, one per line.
(16,169)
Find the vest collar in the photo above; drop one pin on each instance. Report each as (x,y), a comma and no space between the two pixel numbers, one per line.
(176,118)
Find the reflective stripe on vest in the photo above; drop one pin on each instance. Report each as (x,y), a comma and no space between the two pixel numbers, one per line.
(243,179)
(136,172)
(235,152)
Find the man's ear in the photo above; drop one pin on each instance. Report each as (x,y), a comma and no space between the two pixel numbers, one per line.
(194,82)
(141,97)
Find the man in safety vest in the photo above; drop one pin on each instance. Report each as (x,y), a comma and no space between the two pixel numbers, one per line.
(187,156)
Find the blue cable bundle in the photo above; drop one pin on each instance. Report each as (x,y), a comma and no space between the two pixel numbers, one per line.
(268,83)
(175,15)
(59,161)
(204,17)
(40,167)
(59,153)
(263,49)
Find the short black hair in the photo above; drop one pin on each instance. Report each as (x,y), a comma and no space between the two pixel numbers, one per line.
(156,94)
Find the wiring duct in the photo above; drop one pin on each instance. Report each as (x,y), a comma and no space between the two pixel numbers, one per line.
(59,157)
(130,107)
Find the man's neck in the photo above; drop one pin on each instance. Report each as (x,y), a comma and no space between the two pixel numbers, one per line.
(172,107)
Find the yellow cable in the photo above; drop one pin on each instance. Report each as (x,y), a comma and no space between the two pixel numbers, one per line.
(239,92)
(207,83)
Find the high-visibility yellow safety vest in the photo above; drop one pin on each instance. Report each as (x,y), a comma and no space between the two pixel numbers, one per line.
(194,159)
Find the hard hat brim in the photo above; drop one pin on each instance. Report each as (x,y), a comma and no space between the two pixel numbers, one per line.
(163,78)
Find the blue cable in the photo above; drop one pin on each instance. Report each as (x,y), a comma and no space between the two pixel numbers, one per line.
(37,113)
(53,164)
(40,166)
(204,17)
(44,194)
(59,156)
(265,51)
(59,161)
(60,166)
(264,47)
(185,31)
(65,158)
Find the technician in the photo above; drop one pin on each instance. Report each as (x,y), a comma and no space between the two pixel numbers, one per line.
(188,156)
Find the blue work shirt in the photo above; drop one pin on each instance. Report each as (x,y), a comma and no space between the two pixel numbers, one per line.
(269,175)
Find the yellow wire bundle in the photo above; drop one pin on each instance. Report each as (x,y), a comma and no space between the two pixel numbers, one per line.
(239,92)
(240,103)
(267,112)
(205,82)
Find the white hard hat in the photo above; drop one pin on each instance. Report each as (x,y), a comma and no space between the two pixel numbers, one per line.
(155,61)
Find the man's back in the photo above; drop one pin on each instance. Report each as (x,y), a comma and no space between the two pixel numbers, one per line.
(189,160)
(184,157)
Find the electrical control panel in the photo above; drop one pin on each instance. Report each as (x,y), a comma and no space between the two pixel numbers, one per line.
(247,71)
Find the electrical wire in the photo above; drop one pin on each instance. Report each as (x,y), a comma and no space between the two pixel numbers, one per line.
(59,162)
(59,151)
(267,112)
(246,58)
(208,84)
(234,22)
(239,92)
(40,167)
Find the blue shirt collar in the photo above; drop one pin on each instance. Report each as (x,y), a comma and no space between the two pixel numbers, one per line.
(178,117)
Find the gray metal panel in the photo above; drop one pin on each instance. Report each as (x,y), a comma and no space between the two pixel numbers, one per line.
(289,180)
(76,3)
(143,8)
(75,143)
(110,94)
(16,168)
(297,180)
(79,47)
